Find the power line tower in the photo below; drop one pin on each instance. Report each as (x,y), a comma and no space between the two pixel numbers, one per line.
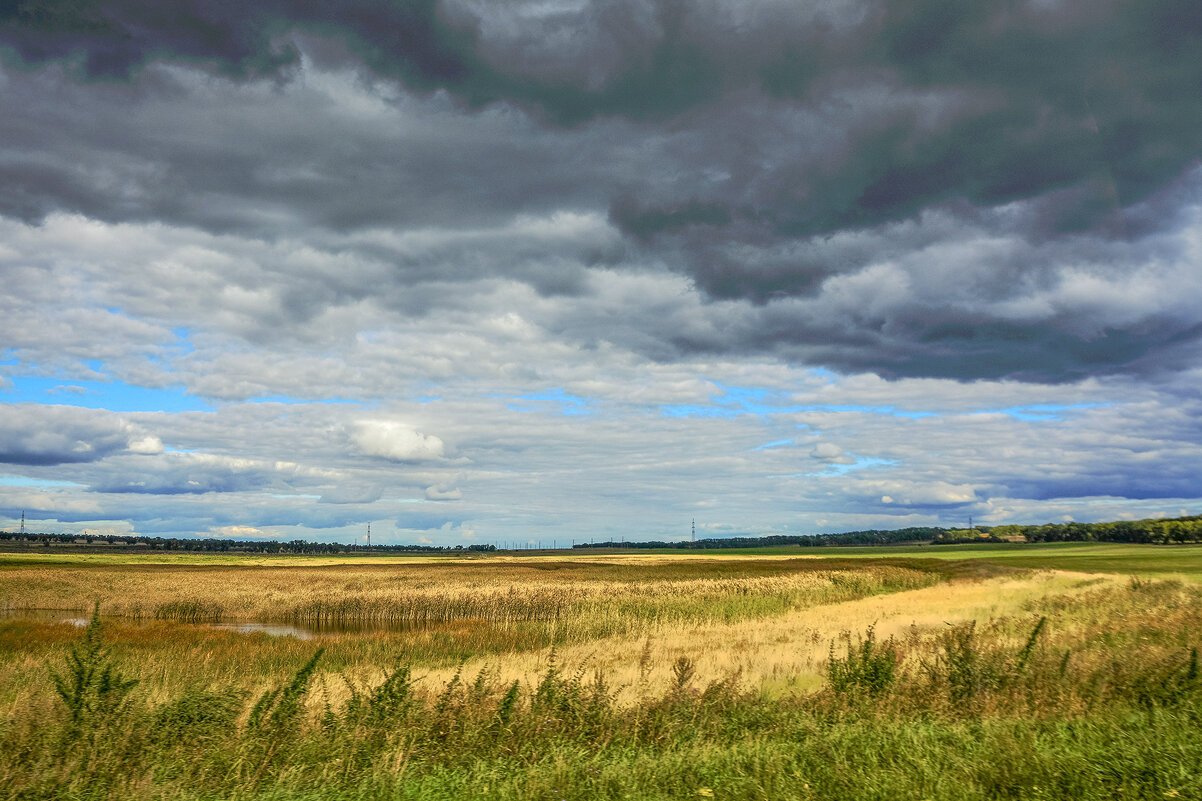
(22,522)
(369,536)
(693,531)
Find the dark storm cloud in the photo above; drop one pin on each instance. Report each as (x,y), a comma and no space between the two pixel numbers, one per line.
(946,343)
(768,152)
(425,44)
(268,161)
(1046,95)
(991,103)
(114,38)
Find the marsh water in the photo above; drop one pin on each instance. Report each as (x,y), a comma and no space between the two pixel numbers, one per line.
(270,628)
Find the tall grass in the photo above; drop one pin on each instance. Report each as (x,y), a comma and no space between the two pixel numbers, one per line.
(527,604)
(603,608)
(1055,704)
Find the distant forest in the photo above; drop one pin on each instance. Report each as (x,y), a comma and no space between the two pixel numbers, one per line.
(867,537)
(134,541)
(1160,531)
(1157,531)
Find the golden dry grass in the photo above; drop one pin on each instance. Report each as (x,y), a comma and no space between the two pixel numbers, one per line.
(789,652)
(502,590)
(769,620)
(490,611)
(1112,651)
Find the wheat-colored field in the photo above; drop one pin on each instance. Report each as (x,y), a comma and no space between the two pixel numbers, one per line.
(601,590)
(770,620)
(609,676)
(788,652)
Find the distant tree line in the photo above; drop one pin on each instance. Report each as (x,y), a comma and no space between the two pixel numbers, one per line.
(1161,531)
(967,537)
(224,545)
(866,537)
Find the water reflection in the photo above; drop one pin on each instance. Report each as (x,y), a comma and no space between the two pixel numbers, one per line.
(270,629)
(240,627)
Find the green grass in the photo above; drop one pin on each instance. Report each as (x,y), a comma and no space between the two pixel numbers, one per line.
(1184,561)
(1104,557)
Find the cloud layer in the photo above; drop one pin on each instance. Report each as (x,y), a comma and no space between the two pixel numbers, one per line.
(484,270)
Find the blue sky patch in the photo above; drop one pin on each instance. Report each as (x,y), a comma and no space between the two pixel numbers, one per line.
(860,463)
(842,469)
(183,340)
(26,481)
(1039,412)
(731,402)
(570,405)
(694,410)
(116,396)
(770,445)
(287,400)
(888,411)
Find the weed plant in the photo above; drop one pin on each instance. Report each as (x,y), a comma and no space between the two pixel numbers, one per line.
(867,667)
(91,689)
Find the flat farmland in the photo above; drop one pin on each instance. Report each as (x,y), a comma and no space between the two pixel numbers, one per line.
(1045,671)
(1173,561)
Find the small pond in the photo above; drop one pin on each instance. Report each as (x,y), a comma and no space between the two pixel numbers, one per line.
(77,618)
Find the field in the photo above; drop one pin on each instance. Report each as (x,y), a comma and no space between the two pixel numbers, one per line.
(1183,562)
(954,672)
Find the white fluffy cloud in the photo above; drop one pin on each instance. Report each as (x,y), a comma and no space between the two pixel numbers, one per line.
(395,441)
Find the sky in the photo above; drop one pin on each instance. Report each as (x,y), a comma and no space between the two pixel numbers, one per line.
(555,271)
